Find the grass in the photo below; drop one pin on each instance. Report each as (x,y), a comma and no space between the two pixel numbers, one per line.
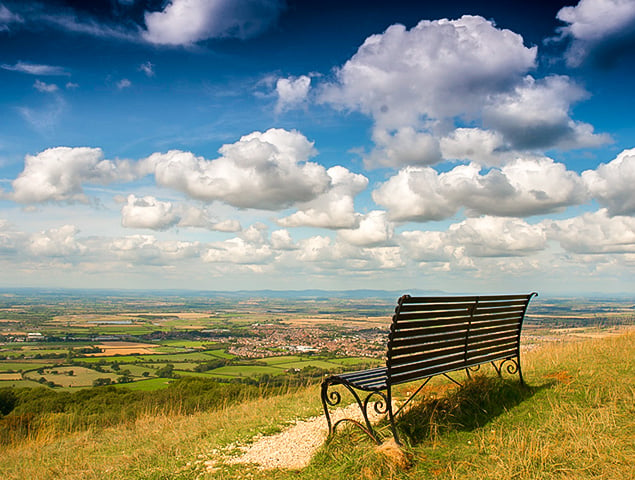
(575,421)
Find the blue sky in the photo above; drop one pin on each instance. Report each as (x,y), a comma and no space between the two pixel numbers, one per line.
(249,144)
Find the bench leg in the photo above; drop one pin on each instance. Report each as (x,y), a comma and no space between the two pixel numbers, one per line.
(333,398)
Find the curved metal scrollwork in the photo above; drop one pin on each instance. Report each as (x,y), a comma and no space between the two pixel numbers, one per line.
(333,398)
(511,366)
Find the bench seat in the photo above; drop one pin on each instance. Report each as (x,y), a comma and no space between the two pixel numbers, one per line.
(432,336)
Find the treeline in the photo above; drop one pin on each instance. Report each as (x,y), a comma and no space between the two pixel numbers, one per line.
(25,412)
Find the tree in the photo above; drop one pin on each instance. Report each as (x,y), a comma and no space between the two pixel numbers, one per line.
(166,372)
(101,381)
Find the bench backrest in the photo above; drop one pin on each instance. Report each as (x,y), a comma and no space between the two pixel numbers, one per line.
(435,335)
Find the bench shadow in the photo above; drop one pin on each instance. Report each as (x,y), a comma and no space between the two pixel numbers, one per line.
(480,400)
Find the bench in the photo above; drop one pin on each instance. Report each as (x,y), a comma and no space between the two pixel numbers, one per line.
(433,336)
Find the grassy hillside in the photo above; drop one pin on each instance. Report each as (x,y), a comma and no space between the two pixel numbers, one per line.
(577,420)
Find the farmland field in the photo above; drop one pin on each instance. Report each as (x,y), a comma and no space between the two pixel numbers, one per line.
(82,339)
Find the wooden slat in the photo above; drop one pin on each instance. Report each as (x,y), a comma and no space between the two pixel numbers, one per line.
(428,372)
(427,307)
(504,347)
(497,323)
(396,352)
(507,303)
(422,339)
(425,331)
(478,340)
(491,358)
(427,364)
(407,317)
(489,317)
(445,300)
(434,322)
(396,361)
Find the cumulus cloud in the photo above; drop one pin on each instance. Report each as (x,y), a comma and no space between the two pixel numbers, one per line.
(57,174)
(536,116)
(595,233)
(485,147)
(267,170)
(474,237)
(292,92)
(529,186)
(374,230)
(437,69)
(148,212)
(595,25)
(405,146)
(281,240)
(612,184)
(147,250)
(185,22)
(56,242)
(335,207)
(237,250)
(498,237)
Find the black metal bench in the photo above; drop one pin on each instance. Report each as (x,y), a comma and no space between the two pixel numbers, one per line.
(434,336)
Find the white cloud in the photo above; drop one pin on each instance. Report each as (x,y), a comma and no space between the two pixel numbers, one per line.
(405,146)
(45,87)
(595,233)
(415,193)
(591,23)
(529,186)
(536,116)
(57,174)
(292,92)
(185,22)
(191,216)
(612,184)
(35,69)
(239,251)
(147,68)
(138,250)
(335,207)
(474,238)
(148,212)
(10,239)
(56,242)
(485,147)
(124,83)
(374,230)
(427,246)
(497,237)
(281,240)
(267,170)
(7,18)
(437,69)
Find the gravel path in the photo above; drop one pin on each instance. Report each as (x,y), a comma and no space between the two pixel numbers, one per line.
(294,447)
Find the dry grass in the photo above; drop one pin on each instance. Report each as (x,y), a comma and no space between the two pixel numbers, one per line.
(576,422)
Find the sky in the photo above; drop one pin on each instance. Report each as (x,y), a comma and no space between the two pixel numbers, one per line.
(268,144)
